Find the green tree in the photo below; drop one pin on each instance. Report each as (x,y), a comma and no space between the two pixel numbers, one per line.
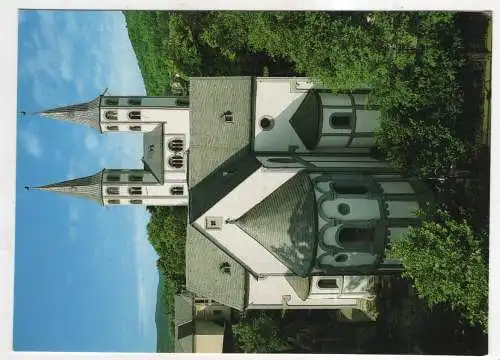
(444,259)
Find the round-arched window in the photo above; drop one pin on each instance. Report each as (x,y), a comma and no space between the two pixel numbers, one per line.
(176,145)
(111,115)
(176,161)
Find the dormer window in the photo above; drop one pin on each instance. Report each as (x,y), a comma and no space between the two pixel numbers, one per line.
(134,115)
(111,102)
(135,190)
(113,190)
(135,101)
(228,117)
(176,145)
(111,115)
(176,161)
(225,268)
(177,190)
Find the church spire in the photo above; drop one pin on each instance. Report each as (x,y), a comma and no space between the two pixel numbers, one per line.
(89,187)
(85,113)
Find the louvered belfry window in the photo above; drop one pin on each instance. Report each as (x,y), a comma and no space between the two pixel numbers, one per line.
(176,161)
(176,145)
(177,190)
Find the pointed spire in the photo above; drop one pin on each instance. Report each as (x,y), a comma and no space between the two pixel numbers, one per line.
(89,187)
(85,113)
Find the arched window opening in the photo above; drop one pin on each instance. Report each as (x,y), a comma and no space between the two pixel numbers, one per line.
(135,128)
(356,238)
(111,101)
(134,115)
(177,190)
(136,202)
(347,189)
(328,284)
(176,162)
(340,121)
(135,190)
(111,115)
(135,178)
(135,101)
(113,201)
(113,177)
(113,190)
(176,145)
(112,127)
(225,268)
(341,258)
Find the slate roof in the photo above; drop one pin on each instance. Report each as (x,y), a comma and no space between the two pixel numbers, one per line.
(285,222)
(301,285)
(204,276)
(184,325)
(85,113)
(153,152)
(89,187)
(307,120)
(219,156)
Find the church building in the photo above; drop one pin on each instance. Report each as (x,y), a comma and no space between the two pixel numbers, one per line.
(288,206)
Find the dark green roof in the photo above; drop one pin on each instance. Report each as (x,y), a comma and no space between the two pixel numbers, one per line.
(285,223)
(307,120)
(153,152)
(203,272)
(213,140)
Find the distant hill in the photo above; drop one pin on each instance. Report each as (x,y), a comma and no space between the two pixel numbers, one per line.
(164,341)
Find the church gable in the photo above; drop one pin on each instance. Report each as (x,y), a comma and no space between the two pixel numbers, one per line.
(285,223)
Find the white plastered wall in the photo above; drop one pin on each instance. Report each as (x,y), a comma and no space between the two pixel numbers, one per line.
(249,193)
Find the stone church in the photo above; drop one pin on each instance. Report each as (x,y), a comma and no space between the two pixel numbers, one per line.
(288,206)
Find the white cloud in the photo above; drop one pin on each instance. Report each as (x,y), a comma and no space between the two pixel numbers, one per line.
(31,142)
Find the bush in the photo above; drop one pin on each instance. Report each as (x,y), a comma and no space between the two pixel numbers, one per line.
(258,332)
(444,259)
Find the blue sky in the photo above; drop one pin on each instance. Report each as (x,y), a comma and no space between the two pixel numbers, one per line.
(85,275)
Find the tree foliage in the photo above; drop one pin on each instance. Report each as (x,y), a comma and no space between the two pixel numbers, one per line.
(444,259)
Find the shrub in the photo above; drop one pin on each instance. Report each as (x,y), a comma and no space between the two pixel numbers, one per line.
(444,260)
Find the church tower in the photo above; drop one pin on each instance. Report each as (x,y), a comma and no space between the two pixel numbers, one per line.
(164,124)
